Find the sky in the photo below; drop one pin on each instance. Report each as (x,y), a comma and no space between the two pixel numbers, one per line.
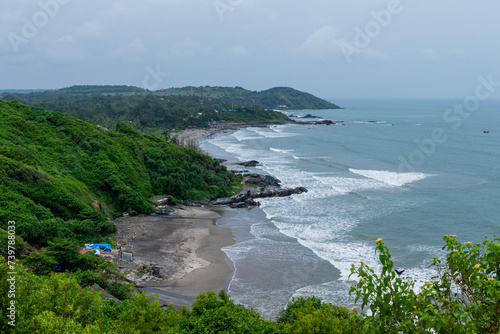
(330,48)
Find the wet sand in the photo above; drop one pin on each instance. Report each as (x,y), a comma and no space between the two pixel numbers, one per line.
(186,248)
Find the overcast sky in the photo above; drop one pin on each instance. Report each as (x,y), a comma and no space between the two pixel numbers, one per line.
(331,48)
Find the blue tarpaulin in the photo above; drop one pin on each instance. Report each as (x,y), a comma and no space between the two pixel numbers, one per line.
(103,247)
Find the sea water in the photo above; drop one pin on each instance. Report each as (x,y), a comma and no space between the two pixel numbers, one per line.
(406,171)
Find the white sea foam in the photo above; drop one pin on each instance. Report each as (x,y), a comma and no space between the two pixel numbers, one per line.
(341,254)
(345,185)
(242,136)
(314,219)
(432,250)
(391,178)
(334,292)
(281,150)
(270,133)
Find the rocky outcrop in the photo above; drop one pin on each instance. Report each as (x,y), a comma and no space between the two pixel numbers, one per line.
(321,122)
(247,199)
(247,203)
(263,181)
(310,116)
(267,186)
(251,163)
(325,122)
(146,273)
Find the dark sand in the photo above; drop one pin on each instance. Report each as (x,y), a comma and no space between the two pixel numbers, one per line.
(187,249)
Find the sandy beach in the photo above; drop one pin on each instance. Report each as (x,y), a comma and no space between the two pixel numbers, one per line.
(177,256)
(184,249)
(189,137)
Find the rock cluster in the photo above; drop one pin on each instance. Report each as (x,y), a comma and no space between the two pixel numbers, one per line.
(251,163)
(268,187)
(263,181)
(145,274)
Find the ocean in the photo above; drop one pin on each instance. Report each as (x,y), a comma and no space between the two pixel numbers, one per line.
(406,171)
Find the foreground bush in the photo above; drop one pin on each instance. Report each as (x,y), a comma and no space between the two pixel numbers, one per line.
(309,315)
(218,314)
(464,296)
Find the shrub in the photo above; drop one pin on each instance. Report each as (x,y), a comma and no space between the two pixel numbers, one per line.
(216,313)
(310,315)
(464,297)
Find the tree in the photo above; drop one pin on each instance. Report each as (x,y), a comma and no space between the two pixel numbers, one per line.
(310,315)
(64,252)
(216,313)
(40,264)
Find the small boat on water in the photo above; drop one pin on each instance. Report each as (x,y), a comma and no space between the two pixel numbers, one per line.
(486,131)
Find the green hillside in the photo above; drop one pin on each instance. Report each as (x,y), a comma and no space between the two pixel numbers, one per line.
(274,98)
(95,89)
(60,176)
(146,111)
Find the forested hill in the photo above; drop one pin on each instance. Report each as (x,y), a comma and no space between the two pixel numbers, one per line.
(146,111)
(274,98)
(96,90)
(60,176)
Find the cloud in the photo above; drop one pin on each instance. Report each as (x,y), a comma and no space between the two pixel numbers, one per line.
(64,49)
(188,47)
(321,44)
(431,55)
(132,52)
(92,29)
(11,15)
(442,56)
(326,45)
(239,51)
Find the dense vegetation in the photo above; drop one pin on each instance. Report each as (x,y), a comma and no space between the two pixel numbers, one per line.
(94,90)
(269,99)
(463,298)
(58,304)
(61,177)
(145,111)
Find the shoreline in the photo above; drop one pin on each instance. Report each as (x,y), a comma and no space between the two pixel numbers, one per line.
(267,274)
(189,137)
(185,249)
